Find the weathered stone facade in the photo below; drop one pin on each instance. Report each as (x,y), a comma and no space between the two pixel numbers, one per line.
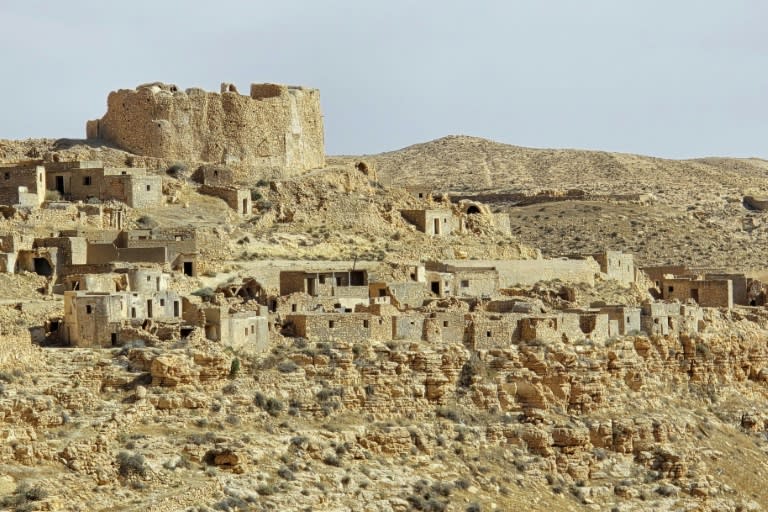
(276,126)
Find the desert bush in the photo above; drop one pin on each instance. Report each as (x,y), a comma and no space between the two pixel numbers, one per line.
(287,366)
(131,464)
(52,195)
(332,460)
(285,473)
(449,414)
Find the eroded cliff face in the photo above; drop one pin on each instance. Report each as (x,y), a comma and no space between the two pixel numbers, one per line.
(275,127)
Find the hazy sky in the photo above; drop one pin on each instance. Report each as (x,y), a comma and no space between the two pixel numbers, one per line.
(674,78)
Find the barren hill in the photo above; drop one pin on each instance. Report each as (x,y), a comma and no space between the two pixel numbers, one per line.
(565,201)
(461,163)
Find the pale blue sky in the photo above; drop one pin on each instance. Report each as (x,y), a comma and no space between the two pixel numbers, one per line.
(669,78)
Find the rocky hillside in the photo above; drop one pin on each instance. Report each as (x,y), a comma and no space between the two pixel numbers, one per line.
(662,210)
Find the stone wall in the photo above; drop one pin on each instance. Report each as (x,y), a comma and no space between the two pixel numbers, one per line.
(353,327)
(528,272)
(276,126)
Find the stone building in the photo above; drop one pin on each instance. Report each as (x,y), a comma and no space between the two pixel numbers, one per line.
(22,184)
(243,330)
(456,279)
(26,183)
(239,199)
(622,319)
(11,244)
(325,283)
(96,319)
(616,265)
(275,126)
(176,247)
(438,222)
(352,327)
(717,293)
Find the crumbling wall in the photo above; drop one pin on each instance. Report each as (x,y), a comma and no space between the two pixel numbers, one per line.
(277,126)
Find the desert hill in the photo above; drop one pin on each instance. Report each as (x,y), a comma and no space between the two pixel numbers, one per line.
(565,201)
(462,163)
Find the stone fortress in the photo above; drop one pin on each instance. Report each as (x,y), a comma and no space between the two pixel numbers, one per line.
(275,127)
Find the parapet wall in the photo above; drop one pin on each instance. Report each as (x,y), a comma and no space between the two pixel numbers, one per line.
(276,127)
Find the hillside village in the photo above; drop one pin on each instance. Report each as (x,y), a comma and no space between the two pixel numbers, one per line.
(414,314)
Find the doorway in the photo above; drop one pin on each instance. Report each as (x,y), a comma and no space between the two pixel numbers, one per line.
(60,184)
(188,268)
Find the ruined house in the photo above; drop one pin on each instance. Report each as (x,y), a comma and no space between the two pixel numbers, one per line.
(96,319)
(11,244)
(341,284)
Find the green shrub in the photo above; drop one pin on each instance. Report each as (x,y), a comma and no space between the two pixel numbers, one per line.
(234,368)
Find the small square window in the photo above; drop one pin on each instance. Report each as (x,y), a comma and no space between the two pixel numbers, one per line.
(7,175)
(293,308)
(671,289)
(253,329)
(487,334)
(331,324)
(246,331)
(322,279)
(87,181)
(149,187)
(149,278)
(465,283)
(445,323)
(365,324)
(162,302)
(89,309)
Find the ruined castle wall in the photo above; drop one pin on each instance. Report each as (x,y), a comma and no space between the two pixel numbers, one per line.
(278,127)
